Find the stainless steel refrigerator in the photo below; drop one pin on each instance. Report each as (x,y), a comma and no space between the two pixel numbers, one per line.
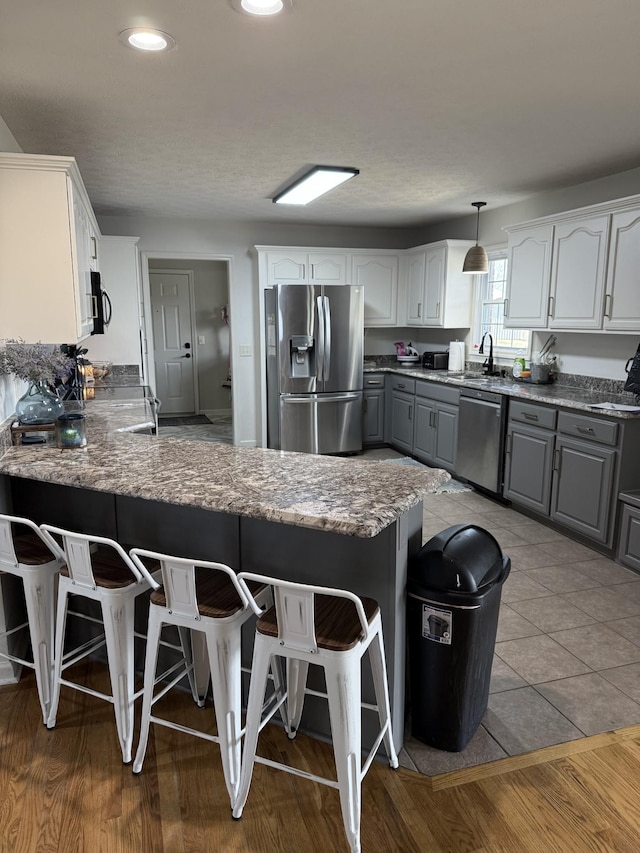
(314,345)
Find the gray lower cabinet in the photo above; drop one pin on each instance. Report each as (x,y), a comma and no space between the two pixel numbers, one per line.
(583,486)
(629,542)
(527,477)
(568,467)
(402,412)
(529,456)
(435,436)
(373,409)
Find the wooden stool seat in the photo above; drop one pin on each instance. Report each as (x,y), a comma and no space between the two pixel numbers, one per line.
(30,549)
(338,626)
(216,595)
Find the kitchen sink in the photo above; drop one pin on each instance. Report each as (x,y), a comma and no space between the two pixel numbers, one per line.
(471,377)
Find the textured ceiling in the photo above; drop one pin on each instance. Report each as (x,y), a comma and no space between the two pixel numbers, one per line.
(437,103)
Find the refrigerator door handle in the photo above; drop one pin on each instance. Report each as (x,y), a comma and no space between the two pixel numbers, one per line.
(320,398)
(321,338)
(327,338)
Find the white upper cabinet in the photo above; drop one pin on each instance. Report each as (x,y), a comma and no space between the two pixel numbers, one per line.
(578,273)
(438,293)
(48,245)
(529,271)
(622,299)
(577,270)
(303,267)
(378,274)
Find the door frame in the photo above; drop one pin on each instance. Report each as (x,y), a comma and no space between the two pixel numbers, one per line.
(145,312)
(192,321)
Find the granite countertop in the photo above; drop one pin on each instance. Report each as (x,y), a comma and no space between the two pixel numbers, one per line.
(552,394)
(346,496)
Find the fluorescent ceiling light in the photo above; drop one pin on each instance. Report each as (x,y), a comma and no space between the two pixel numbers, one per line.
(261,7)
(315,183)
(145,38)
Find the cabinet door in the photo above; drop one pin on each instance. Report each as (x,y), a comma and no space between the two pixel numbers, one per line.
(424,435)
(86,247)
(287,268)
(402,420)
(528,467)
(415,288)
(378,274)
(578,273)
(622,301)
(529,273)
(435,261)
(327,269)
(373,417)
(582,486)
(446,419)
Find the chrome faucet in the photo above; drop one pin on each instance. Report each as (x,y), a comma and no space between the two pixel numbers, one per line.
(487,367)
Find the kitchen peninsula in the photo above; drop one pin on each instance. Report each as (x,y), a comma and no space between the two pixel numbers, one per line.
(330,521)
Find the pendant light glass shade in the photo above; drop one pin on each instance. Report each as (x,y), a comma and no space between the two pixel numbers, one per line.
(476,260)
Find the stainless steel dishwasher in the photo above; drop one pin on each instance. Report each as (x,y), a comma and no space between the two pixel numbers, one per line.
(481,430)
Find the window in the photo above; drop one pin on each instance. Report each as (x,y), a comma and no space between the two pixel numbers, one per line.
(491,292)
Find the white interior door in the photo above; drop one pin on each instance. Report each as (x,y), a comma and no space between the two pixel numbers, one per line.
(173,344)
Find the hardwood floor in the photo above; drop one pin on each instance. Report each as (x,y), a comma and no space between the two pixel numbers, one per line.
(66,790)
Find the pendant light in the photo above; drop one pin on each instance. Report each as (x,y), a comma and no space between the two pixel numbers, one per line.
(476,260)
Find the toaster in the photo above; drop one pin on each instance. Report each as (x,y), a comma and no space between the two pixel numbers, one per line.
(435,360)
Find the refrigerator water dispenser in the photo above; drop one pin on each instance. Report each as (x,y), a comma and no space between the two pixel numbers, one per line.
(302,356)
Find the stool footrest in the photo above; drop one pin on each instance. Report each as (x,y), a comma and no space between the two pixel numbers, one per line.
(185,729)
(295,772)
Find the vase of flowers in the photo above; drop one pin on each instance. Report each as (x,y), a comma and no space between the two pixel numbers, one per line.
(39,365)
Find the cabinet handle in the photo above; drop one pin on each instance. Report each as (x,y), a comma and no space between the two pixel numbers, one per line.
(365,406)
(608,302)
(530,417)
(401,385)
(507,449)
(374,382)
(409,413)
(550,307)
(506,308)
(556,459)
(419,310)
(586,430)
(438,310)
(94,254)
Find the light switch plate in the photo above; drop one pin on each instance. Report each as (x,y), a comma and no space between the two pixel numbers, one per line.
(200,339)
(245,350)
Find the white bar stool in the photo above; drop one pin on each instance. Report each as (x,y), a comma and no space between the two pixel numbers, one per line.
(206,599)
(100,569)
(25,553)
(333,629)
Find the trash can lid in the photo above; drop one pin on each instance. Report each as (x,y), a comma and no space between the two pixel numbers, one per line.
(462,558)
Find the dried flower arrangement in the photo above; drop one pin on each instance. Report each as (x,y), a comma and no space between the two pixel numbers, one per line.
(34,362)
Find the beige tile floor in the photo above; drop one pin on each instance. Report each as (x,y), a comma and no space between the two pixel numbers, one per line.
(567,655)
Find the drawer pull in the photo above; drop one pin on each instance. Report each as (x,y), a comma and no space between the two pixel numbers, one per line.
(530,417)
(401,385)
(587,430)
(374,382)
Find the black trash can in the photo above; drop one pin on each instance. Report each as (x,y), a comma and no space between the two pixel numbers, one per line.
(453,600)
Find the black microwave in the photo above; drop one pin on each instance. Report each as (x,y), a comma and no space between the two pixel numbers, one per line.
(100,305)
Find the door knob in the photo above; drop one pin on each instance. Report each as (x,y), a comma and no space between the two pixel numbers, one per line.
(186,355)
(187,346)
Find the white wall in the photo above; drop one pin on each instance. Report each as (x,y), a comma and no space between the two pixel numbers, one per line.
(7,139)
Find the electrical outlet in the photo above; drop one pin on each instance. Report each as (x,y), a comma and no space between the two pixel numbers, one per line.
(245,350)
(200,339)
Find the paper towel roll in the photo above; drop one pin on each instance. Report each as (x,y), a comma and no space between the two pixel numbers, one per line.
(456,356)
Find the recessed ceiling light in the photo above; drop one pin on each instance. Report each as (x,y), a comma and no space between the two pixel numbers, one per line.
(316,182)
(146,38)
(261,7)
